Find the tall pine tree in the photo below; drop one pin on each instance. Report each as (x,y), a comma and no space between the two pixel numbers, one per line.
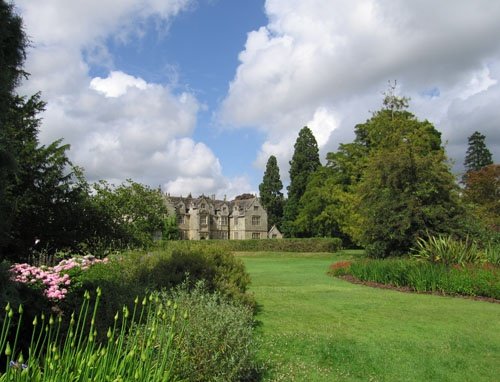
(478,155)
(304,163)
(271,196)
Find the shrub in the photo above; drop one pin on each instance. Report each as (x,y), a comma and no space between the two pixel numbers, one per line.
(133,274)
(316,244)
(217,344)
(447,250)
(492,253)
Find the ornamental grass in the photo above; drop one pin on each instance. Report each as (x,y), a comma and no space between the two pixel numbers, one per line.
(139,347)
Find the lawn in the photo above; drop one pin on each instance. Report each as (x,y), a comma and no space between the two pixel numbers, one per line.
(317,328)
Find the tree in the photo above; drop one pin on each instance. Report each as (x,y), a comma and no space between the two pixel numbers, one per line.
(46,195)
(305,161)
(326,208)
(477,155)
(137,212)
(13,43)
(482,191)
(407,189)
(271,196)
(319,206)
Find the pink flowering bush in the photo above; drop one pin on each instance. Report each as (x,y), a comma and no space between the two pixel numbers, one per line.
(54,281)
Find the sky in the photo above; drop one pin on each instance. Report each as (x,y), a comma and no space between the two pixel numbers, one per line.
(195,95)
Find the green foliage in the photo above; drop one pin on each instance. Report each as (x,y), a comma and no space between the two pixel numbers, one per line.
(316,244)
(217,344)
(387,188)
(133,274)
(170,228)
(322,207)
(40,191)
(136,211)
(407,188)
(472,280)
(46,192)
(125,354)
(478,155)
(448,250)
(270,193)
(13,43)
(304,163)
(482,195)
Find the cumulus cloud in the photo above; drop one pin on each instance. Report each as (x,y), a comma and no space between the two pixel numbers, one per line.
(324,63)
(119,125)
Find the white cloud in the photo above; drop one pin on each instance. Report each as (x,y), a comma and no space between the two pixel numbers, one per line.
(119,125)
(324,63)
(117,84)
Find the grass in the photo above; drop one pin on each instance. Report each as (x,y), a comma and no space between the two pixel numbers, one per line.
(317,328)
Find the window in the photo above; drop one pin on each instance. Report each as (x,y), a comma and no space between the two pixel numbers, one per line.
(255,208)
(255,235)
(236,221)
(223,220)
(204,219)
(255,220)
(180,219)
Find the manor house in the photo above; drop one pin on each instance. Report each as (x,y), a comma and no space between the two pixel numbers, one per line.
(208,218)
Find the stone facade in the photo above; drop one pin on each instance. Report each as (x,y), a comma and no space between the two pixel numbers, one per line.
(208,218)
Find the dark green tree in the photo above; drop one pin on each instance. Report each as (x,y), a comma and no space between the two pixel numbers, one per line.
(304,163)
(13,43)
(271,196)
(42,196)
(478,155)
(46,195)
(407,189)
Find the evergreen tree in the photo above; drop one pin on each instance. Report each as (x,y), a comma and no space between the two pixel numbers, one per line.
(478,155)
(304,163)
(406,190)
(271,196)
(13,43)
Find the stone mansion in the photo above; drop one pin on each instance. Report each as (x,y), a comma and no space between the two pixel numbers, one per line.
(208,218)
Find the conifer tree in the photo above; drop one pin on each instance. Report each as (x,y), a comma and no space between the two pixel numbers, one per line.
(304,163)
(271,196)
(478,155)
(13,43)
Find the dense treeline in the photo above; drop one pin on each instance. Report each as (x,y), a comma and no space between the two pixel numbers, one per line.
(391,186)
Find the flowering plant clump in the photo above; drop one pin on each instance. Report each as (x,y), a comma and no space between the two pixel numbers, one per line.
(54,280)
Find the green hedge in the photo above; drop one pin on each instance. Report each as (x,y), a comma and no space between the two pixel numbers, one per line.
(315,244)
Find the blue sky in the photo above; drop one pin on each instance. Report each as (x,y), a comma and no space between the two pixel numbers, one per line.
(201,50)
(195,95)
